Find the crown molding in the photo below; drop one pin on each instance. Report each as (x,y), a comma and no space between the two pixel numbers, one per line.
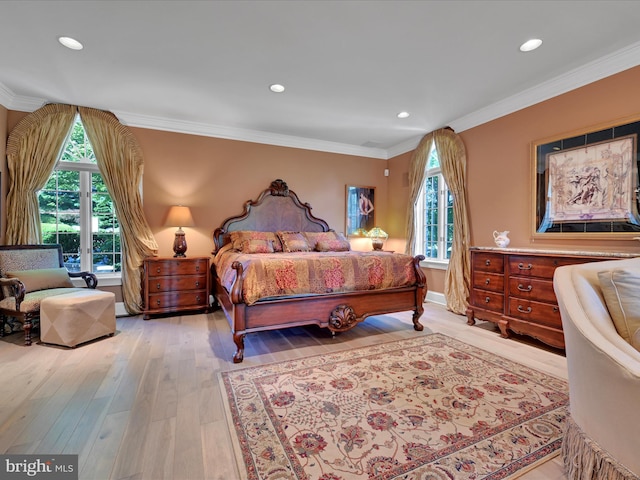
(603,67)
(254,136)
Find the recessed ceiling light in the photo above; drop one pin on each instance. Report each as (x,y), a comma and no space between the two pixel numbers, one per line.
(530,45)
(71,43)
(276,88)
(403,114)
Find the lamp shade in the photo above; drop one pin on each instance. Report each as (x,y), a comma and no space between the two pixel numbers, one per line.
(377,232)
(179,216)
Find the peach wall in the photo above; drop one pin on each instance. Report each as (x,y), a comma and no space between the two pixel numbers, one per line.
(499,159)
(499,164)
(215,177)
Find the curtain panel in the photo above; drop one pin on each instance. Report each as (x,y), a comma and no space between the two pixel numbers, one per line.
(120,162)
(33,148)
(453,163)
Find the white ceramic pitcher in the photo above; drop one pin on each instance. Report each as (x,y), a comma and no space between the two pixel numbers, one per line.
(501,238)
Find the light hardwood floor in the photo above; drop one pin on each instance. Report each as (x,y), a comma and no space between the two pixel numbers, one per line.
(146,404)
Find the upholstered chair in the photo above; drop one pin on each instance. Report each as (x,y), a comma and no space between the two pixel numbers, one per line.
(28,275)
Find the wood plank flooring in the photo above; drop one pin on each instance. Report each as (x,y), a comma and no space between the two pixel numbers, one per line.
(146,404)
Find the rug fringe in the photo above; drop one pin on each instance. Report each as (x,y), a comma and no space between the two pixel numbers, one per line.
(584,459)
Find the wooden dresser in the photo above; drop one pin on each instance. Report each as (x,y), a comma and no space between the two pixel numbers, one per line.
(175,285)
(514,288)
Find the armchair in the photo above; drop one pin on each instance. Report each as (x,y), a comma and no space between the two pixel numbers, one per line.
(28,275)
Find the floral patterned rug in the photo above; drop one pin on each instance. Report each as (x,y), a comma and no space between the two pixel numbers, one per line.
(428,408)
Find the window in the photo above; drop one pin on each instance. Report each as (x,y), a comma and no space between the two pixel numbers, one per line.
(434,214)
(77,212)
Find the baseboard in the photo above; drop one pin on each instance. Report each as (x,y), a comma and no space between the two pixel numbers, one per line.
(436,297)
(120,310)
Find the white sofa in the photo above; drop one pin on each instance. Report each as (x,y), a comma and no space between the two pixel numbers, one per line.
(602,438)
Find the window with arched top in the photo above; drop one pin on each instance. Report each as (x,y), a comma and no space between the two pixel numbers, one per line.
(434,214)
(77,211)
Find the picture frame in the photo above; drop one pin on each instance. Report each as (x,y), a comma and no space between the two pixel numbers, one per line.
(585,185)
(360,210)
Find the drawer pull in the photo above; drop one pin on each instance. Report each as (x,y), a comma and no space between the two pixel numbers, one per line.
(197,268)
(555,309)
(197,283)
(486,282)
(487,262)
(197,298)
(158,302)
(523,289)
(522,267)
(158,286)
(522,310)
(487,300)
(158,270)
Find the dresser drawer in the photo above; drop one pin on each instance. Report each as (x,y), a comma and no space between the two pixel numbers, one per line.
(542,267)
(535,312)
(164,267)
(184,282)
(488,281)
(488,300)
(488,262)
(167,300)
(532,289)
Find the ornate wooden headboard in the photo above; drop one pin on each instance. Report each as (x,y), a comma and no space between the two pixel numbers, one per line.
(276,209)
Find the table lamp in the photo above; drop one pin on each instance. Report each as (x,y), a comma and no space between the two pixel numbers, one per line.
(377,236)
(179,216)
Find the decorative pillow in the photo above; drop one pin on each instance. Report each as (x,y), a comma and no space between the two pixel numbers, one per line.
(42,279)
(337,244)
(256,246)
(314,237)
(239,236)
(620,289)
(293,242)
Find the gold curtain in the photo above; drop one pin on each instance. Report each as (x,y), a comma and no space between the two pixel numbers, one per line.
(120,161)
(453,163)
(32,151)
(416,180)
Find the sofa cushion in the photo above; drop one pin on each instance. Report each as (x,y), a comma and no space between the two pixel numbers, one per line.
(42,279)
(621,291)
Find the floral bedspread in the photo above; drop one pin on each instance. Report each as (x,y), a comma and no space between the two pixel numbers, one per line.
(281,274)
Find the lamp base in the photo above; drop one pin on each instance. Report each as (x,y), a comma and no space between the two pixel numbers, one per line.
(377,243)
(180,244)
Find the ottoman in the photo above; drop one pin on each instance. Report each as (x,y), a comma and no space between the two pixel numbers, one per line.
(70,319)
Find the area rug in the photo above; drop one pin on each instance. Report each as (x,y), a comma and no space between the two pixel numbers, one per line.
(428,408)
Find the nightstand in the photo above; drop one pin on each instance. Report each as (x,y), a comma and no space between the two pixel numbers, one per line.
(175,285)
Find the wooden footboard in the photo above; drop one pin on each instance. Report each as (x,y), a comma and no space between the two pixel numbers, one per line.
(337,312)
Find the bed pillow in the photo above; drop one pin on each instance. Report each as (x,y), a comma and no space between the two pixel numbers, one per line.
(293,242)
(332,243)
(42,279)
(240,236)
(620,289)
(314,237)
(256,246)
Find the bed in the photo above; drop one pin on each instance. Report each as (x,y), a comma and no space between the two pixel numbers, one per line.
(264,277)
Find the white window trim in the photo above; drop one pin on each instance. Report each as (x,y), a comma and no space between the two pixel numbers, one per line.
(438,263)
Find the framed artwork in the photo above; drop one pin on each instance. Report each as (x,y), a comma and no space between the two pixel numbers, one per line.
(586,185)
(361,213)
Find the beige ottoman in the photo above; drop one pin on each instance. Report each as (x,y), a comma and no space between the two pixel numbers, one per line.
(73,318)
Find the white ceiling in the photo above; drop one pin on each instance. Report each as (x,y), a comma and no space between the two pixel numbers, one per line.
(349,67)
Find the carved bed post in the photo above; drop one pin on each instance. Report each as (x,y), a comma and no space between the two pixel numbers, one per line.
(421,292)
